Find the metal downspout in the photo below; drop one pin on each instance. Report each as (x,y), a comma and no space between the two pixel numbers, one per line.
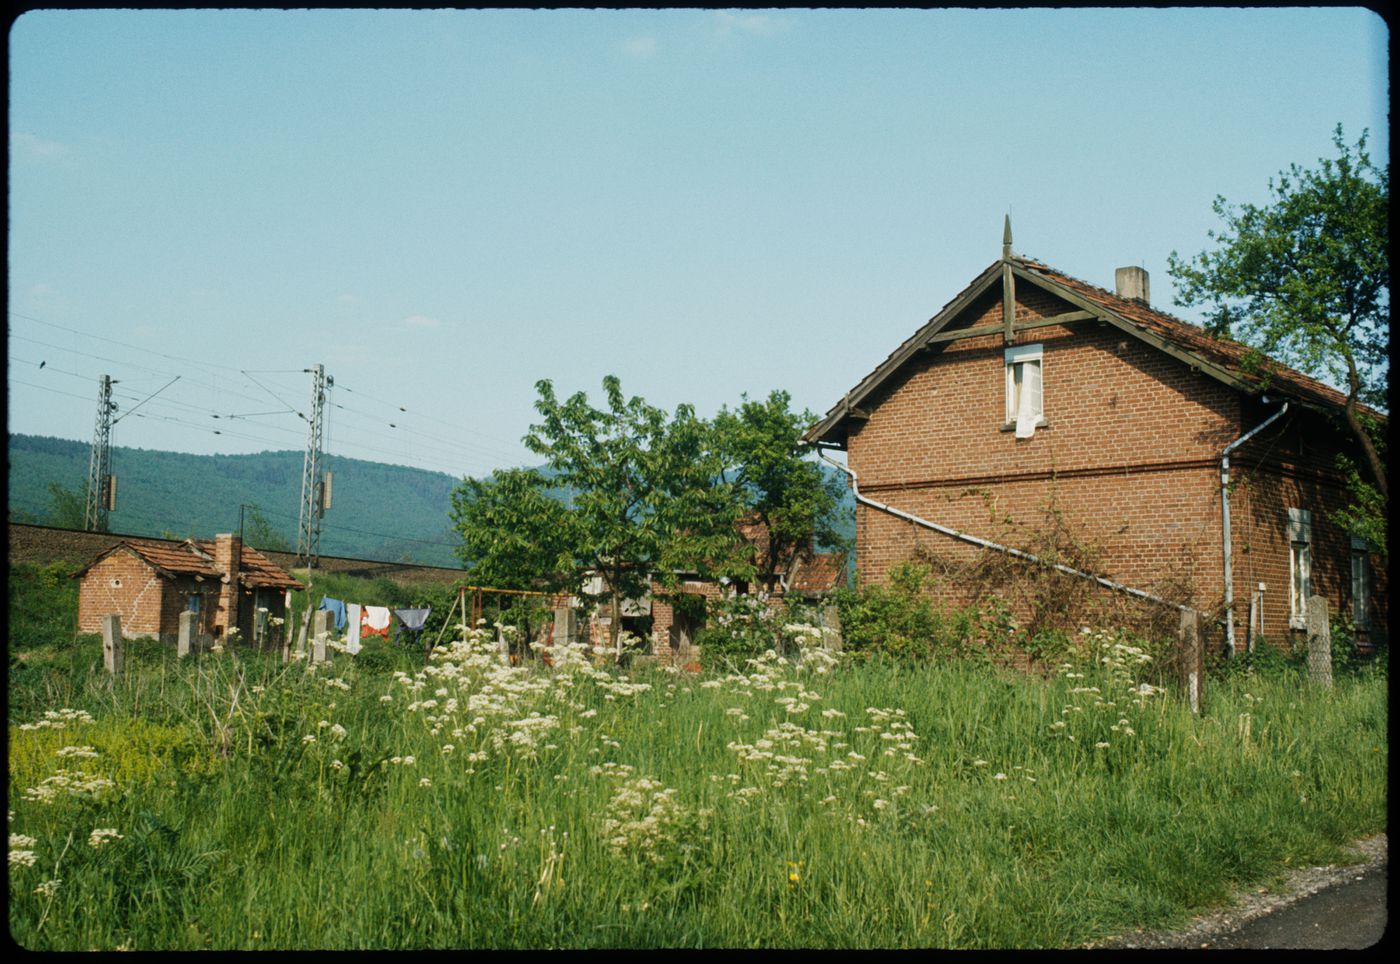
(988,544)
(1225,523)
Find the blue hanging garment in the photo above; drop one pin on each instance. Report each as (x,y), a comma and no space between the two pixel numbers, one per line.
(336,607)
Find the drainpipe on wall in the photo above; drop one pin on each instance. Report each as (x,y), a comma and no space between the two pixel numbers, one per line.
(1225,522)
(988,544)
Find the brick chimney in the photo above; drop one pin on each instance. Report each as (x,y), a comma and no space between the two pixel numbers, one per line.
(228,559)
(1130,284)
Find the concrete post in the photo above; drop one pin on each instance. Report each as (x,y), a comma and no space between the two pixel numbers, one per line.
(565,626)
(320,630)
(1191,655)
(112,643)
(1319,642)
(831,623)
(187,631)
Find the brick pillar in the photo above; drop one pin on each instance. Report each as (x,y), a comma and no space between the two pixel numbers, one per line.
(228,559)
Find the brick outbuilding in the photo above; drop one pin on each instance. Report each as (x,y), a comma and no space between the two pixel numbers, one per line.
(149,584)
(1180,457)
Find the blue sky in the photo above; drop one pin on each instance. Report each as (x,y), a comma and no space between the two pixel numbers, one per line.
(443,207)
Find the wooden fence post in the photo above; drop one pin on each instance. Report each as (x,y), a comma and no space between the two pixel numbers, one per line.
(112,643)
(1319,642)
(187,630)
(1191,655)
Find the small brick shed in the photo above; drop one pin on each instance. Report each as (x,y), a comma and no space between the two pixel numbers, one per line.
(1033,389)
(149,584)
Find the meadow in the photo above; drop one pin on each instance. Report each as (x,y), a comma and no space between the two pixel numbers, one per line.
(230,802)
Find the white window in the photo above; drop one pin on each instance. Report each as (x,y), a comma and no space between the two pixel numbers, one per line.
(1360,583)
(1025,400)
(1299,566)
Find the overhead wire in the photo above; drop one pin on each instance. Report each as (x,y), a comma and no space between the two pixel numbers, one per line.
(471,451)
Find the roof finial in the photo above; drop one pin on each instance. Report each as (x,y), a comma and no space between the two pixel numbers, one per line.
(1006,239)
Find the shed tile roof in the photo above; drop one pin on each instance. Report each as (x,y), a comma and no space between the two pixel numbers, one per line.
(195,559)
(257,570)
(818,572)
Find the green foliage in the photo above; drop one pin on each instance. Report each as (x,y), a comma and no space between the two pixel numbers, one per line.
(571,806)
(1306,279)
(43,605)
(900,620)
(259,533)
(642,497)
(737,629)
(798,504)
(67,507)
(515,534)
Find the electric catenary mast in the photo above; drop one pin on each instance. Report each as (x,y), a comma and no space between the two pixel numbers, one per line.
(315,487)
(101,493)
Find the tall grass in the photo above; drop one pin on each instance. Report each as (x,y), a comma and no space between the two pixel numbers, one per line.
(470,804)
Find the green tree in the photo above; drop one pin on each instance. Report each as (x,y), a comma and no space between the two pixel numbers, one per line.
(1305,279)
(794,500)
(261,534)
(67,507)
(641,494)
(514,534)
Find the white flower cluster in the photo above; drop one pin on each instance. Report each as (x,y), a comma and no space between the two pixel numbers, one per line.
(645,819)
(101,836)
(58,719)
(70,783)
(77,753)
(22,850)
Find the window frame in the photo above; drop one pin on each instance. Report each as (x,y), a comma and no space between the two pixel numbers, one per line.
(1360,583)
(1020,355)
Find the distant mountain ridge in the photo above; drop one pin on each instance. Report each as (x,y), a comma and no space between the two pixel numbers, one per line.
(378,511)
(392,513)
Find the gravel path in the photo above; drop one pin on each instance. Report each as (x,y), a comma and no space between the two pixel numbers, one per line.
(1209,929)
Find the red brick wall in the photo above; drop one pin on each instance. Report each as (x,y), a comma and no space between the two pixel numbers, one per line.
(122,584)
(1129,457)
(1292,465)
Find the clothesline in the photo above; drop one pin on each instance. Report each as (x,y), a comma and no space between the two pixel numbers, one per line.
(359,621)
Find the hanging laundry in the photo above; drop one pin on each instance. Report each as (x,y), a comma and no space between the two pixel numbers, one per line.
(412,621)
(375,621)
(336,608)
(352,634)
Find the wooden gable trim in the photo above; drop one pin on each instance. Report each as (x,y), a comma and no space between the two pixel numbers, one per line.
(1029,324)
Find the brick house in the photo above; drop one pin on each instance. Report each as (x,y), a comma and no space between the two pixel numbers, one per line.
(1183,465)
(149,584)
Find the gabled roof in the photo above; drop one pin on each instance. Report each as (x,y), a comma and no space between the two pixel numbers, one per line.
(817,572)
(1227,361)
(167,559)
(190,558)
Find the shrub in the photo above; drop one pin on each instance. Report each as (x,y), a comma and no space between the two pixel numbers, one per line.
(901,621)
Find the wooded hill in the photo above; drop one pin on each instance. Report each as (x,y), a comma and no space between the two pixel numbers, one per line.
(385,512)
(390,513)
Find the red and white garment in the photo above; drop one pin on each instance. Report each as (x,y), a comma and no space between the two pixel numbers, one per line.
(375,621)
